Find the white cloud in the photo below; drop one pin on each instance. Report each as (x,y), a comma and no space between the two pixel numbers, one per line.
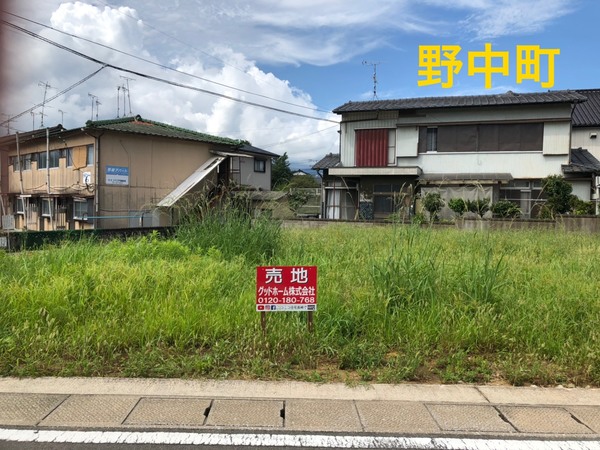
(510,17)
(191,109)
(495,18)
(229,42)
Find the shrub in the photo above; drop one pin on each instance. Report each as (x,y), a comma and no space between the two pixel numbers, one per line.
(433,203)
(458,206)
(506,208)
(582,208)
(479,206)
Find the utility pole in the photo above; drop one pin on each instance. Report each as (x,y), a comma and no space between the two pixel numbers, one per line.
(374,64)
(46,86)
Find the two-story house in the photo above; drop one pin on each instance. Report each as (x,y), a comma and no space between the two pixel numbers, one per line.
(485,146)
(120,173)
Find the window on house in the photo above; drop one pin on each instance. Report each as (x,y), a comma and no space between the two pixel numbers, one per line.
(392,147)
(526,194)
(20,206)
(386,199)
(26,162)
(372,148)
(89,160)
(14,161)
(42,160)
(503,137)
(340,200)
(47,207)
(80,208)
(54,159)
(260,165)
(431,145)
(69,156)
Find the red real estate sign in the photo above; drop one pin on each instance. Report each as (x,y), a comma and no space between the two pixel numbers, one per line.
(286,288)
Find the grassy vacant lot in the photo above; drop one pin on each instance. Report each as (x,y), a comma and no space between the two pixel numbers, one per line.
(396,303)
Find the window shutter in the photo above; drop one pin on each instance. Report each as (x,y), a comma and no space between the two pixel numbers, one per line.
(372,148)
(79,156)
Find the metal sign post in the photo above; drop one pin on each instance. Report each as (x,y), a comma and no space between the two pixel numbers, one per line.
(286,288)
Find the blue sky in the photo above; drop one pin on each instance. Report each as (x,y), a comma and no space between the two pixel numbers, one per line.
(303,56)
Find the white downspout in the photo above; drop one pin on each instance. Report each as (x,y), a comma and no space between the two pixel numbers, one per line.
(48,159)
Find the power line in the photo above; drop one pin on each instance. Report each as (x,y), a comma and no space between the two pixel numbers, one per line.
(161,80)
(167,67)
(299,138)
(146,24)
(64,91)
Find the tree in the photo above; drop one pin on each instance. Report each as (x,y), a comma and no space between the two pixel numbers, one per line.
(281,174)
(558,195)
(303,181)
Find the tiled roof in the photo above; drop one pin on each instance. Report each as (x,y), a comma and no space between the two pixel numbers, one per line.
(137,125)
(509,98)
(587,114)
(33,135)
(247,148)
(582,161)
(329,161)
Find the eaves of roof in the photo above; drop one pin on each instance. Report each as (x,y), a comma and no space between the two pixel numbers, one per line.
(582,161)
(587,114)
(250,149)
(509,98)
(327,162)
(28,136)
(137,125)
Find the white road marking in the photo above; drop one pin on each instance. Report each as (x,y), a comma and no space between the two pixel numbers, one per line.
(286,440)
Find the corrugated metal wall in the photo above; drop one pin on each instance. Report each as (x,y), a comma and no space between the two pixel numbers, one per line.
(372,147)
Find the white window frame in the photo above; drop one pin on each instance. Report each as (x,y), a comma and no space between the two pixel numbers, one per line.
(79,215)
(20,205)
(50,203)
(392,147)
(431,145)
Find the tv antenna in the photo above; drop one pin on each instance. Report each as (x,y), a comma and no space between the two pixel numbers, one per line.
(118,104)
(94,100)
(374,64)
(126,90)
(8,121)
(46,86)
(62,116)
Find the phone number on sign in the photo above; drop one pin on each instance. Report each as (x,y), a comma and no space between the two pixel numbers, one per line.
(285,300)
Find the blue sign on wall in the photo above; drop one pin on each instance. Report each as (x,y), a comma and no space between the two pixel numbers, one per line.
(117,175)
